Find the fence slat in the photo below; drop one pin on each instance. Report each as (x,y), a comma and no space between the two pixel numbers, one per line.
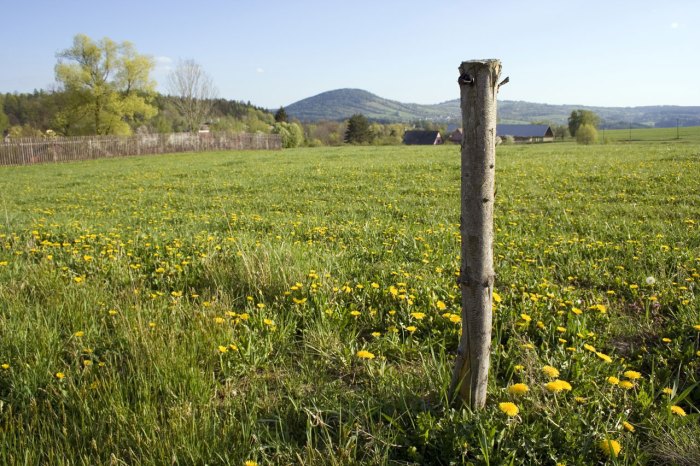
(26,151)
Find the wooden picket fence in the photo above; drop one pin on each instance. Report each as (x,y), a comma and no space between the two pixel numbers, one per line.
(25,151)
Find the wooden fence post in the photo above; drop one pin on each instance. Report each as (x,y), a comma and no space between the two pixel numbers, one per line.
(478,83)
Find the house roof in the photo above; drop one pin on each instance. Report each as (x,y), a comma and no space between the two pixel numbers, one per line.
(524,131)
(420,137)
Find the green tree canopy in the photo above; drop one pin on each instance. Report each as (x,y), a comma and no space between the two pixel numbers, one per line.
(107,87)
(582,117)
(291,133)
(358,130)
(586,134)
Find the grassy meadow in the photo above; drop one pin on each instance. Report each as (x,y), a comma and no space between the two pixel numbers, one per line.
(300,307)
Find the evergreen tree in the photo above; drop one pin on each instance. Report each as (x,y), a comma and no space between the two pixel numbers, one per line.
(358,130)
(281,116)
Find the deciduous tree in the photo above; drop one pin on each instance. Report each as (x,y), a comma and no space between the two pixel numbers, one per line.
(194,93)
(586,134)
(107,86)
(582,117)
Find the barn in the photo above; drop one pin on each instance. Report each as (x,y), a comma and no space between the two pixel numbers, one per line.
(526,133)
(421,137)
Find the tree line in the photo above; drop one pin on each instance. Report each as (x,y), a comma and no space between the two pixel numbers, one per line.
(105,87)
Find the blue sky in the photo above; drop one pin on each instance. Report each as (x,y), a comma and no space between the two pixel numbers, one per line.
(273,53)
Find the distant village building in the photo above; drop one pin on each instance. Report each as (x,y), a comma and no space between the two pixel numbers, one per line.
(526,133)
(422,137)
(456,136)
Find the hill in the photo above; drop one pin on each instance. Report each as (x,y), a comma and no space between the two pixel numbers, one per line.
(340,104)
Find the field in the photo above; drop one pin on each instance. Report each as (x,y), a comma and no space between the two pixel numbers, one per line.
(684,135)
(300,307)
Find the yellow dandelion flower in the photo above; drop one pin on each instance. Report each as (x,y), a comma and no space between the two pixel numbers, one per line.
(590,348)
(5,366)
(375,285)
(60,375)
(250,463)
(222,349)
(269,322)
(87,362)
(628,427)
(441,305)
(525,317)
(244,316)
(576,311)
(626,384)
(510,409)
(558,386)
(551,372)
(612,380)
(518,389)
(376,334)
(697,327)
(518,367)
(604,357)
(561,329)
(496,297)
(600,308)
(418,315)
(411,328)
(233,347)
(632,375)
(579,399)
(219,320)
(666,340)
(152,324)
(611,448)
(668,391)
(363,354)
(355,313)
(678,411)
(79,333)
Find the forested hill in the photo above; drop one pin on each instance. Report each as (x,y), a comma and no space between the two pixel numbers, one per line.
(342,103)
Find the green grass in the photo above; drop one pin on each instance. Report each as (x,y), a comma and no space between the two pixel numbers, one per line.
(689,134)
(209,308)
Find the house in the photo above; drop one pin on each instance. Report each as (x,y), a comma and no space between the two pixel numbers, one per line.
(421,137)
(526,133)
(456,136)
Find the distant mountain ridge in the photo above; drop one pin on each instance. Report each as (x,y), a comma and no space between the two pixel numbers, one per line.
(341,104)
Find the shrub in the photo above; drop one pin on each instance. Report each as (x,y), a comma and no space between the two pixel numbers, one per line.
(586,134)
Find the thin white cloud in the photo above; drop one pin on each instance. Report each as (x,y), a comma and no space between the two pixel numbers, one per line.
(163,63)
(259,70)
(675,25)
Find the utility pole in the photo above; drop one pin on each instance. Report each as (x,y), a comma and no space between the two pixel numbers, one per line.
(478,84)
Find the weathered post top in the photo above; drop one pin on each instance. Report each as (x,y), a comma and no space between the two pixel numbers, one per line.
(478,83)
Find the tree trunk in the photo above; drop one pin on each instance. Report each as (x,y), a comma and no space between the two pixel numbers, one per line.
(478,86)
